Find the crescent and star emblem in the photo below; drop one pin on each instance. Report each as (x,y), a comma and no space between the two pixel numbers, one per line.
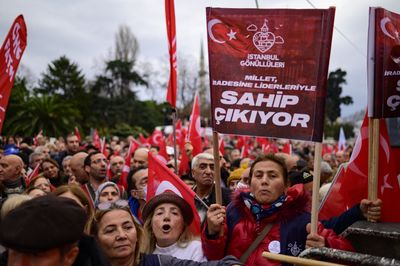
(211,24)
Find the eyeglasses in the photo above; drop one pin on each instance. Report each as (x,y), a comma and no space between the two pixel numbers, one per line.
(108,205)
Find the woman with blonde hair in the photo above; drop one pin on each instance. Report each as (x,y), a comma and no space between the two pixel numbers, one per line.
(167,218)
(12,203)
(121,238)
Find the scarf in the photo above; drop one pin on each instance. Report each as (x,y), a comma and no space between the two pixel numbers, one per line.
(262,211)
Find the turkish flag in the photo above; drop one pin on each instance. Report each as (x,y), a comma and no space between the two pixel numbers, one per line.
(96,139)
(161,179)
(78,135)
(127,166)
(195,127)
(350,185)
(156,137)
(10,55)
(171,30)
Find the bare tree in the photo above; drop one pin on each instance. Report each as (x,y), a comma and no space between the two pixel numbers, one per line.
(126,45)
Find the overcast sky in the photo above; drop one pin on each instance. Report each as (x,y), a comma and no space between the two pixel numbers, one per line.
(84,30)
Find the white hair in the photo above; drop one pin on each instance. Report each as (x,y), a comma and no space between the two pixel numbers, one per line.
(203,155)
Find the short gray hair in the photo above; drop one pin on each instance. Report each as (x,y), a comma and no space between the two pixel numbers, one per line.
(203,155)
(34,154)
(326,168)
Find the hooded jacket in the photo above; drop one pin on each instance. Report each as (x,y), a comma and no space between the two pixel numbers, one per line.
(287,235)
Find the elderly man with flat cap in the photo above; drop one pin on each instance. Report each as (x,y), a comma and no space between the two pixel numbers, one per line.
(43,231)
(11,179)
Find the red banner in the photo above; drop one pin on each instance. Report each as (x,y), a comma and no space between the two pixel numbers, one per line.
(171,30)
(10,56)
(350,185)
(383,63)
(194,130)
(268,71)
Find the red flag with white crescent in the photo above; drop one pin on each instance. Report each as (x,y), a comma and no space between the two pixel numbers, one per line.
(10,56)
(350,185)
(161,179)
(156,137)
(171,30)
(195,127)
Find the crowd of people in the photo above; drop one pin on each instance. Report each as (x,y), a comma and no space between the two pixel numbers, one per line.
(69,202)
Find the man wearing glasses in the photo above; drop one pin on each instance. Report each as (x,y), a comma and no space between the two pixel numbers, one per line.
(95,165)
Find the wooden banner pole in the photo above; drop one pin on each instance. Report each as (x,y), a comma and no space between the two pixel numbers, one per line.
(296,260)
(315,192)
(373,158)
(217,170)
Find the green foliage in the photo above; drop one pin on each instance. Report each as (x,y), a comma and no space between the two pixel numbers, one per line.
(332,130)
(333,100)
(117,80)
(124,130)
(48,113)
(63,78)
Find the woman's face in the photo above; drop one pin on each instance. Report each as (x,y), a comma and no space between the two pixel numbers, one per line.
(50,170)
(110,193)
(117,234)
(43,184)
(267,182)
(167,224)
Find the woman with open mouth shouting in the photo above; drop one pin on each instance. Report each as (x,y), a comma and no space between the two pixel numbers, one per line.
(122,240)
(167,218)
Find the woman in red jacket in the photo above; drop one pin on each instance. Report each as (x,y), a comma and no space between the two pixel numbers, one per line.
(269,201)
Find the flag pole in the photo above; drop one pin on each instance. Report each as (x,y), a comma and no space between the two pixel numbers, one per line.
(174,132)
(201,201)
(315,191)
(217,170)
(373,158)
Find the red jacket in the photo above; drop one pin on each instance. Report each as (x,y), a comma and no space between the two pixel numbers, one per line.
(286,236)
